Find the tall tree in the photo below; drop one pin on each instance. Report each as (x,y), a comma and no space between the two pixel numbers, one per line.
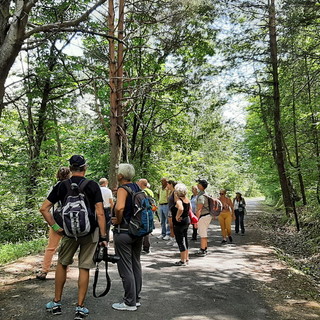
(280,157)
(17,25)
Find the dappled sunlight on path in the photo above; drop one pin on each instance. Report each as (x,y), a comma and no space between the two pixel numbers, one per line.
(238,281)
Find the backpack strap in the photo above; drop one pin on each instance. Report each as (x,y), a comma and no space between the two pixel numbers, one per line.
(128,189)
(82,184)
(131,193)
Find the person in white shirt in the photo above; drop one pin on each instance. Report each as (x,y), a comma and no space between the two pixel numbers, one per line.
(107,202)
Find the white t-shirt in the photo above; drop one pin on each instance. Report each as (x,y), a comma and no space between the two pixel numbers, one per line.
(106,195)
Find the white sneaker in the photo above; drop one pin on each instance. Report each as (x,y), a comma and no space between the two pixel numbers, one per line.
(123,307)
(170,242)
(175,245)
(160,237)
(166,238)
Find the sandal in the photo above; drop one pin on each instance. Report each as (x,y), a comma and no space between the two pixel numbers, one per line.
(42,275)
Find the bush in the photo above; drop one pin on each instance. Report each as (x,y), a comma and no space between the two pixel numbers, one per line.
(12,251)
(21,224)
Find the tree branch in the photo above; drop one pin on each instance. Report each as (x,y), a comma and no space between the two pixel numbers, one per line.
(59,26)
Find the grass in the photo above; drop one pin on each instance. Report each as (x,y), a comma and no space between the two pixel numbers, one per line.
(13,251)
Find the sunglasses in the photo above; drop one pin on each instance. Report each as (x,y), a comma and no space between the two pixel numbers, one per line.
(221,194)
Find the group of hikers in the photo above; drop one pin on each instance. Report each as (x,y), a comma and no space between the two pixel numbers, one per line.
(116,209)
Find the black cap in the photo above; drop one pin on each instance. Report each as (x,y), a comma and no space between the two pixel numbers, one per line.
(203,182)
(77,161)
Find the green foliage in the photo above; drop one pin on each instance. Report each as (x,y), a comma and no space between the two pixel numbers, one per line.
(12,251)
(19,224)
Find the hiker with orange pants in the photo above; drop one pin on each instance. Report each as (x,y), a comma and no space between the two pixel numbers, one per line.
(226,216)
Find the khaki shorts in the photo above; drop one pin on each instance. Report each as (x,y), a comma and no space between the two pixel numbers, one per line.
(87,245)
(203,225)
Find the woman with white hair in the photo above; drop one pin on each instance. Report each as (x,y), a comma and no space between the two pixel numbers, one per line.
(181,222)
(128,248)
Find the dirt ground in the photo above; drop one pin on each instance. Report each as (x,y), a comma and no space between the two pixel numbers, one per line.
(240,281)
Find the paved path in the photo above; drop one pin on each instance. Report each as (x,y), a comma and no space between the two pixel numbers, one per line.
(225,285)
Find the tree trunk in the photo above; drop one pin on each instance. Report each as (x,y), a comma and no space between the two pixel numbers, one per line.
(279,144)
(117,131)
(11,38)
(296,148)
(37,133)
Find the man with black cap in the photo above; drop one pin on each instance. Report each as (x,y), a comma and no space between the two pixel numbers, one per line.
(69,246)
(203,214)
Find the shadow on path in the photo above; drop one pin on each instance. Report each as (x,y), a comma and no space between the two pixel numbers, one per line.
(228,284)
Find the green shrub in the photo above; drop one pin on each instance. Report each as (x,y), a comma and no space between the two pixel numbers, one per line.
(12,251)
(21,224)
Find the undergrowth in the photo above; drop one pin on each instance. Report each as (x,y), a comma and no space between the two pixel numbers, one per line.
(298,249)
(12,251)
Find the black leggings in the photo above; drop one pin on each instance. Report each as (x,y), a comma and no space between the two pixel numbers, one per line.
(181,232)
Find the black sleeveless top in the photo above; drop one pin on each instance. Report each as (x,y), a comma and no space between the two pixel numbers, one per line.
(184,216)
(128,208)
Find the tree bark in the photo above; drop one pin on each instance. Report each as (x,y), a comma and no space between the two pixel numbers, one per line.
(117,131)
(280,157)
(11,38)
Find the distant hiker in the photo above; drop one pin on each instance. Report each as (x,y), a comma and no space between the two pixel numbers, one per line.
(107,203)
(181,221)
(54,238)
(203,215)
(193,201)
(163,194)
(143,184)
(171,202)
(69,246)
(226,216)
(127,247)
(239,205)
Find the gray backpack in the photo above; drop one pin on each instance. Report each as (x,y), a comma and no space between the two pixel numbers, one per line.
(75,216)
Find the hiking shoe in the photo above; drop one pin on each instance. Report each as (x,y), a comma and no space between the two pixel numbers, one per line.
(167,237)
(54,307)
(81,313)
(202,253)
(180,263)
(160,237)
(42,275)
(224,241)
(138,304)
(171,241)
(230,239)
(123,307)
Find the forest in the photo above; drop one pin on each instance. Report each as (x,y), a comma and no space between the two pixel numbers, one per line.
(223,90)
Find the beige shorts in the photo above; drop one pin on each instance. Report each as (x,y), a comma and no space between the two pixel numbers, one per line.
(87,245)
(203,225)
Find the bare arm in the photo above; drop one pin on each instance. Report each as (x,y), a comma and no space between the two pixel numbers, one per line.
(45,211)
(199,209)
(101,218)
(111,203)
(179,206)
(120,204)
